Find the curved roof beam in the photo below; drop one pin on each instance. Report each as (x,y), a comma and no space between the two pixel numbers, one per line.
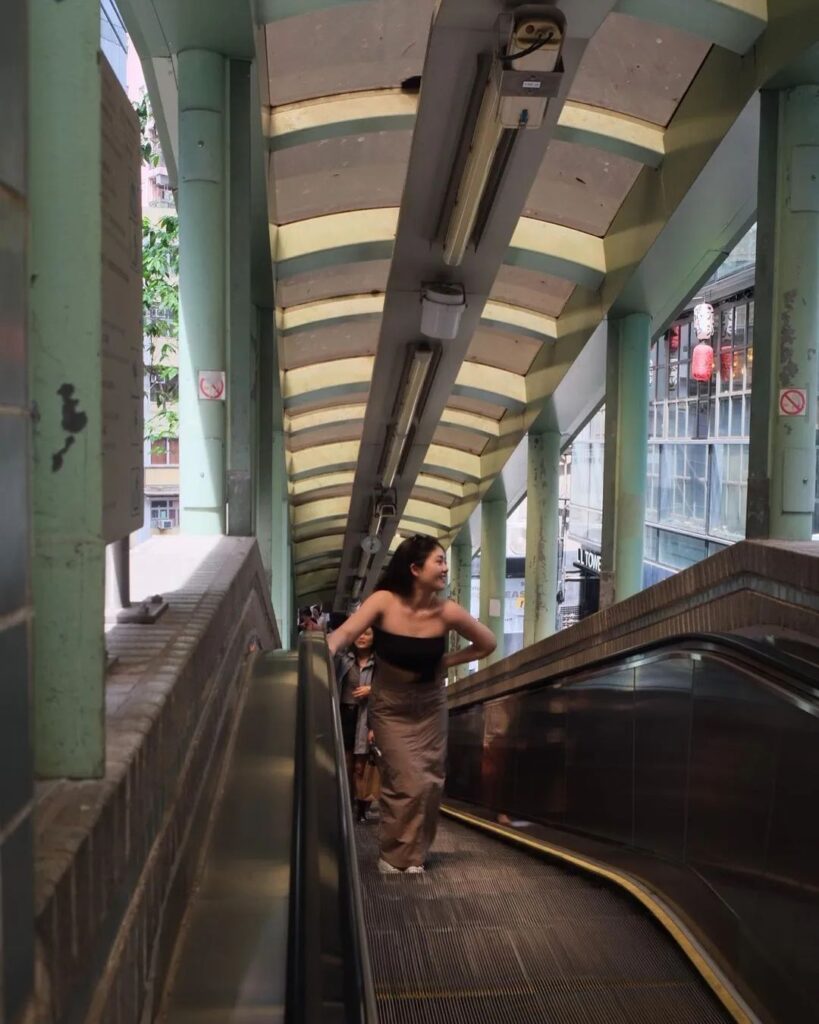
(326,311)
(618,133)
(309,528)
(476,380)
(733,24)
(276,10)
(311,581)
(346,308)
(409,525)
(354,236)
(559,251)
(443,485)
(320,483)
(325,545)
(378,110)
(326,510)
(317,461)
(445,461)
(325,380)
(318,418)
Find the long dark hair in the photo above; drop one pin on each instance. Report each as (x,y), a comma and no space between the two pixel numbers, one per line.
(415,550)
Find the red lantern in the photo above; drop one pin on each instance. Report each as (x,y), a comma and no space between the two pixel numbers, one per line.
(725,353)
(702,362)
(674,338)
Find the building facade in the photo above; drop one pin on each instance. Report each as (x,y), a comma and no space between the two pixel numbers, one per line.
(698,442)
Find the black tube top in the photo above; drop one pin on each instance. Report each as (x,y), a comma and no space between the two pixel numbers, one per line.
(417,654)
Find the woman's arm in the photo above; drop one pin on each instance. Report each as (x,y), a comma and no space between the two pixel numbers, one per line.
(482,638)
(369,613)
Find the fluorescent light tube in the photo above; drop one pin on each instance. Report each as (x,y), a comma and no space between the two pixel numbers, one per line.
(413,389)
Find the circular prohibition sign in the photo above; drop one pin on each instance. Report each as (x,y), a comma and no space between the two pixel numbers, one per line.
(792,401)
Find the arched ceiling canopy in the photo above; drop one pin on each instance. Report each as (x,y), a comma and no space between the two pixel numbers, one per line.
(364,102)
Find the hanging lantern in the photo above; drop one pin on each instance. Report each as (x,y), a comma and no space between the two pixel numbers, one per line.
(725,356)
(674,338)
(702,361)
(704,321)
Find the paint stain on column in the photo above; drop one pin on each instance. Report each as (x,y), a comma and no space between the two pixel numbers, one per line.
(73,421)
(788,370)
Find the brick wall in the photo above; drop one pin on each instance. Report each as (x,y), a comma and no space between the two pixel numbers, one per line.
(16,933)
(116,857)
(754,587)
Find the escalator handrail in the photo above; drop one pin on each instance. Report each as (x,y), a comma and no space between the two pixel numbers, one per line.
(790,673)
(328,958)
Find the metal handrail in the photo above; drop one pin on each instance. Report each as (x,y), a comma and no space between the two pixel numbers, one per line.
(329,975)
(789,672)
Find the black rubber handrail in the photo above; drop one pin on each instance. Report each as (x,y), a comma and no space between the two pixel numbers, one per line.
(329,976)
(794,674)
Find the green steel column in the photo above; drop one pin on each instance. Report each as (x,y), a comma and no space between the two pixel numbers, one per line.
(624,498)
(493,564)
(542,524)
(202,286)
(782,458)
(240,363)
(281,555)
(460,567)
(264,406)
(66,388)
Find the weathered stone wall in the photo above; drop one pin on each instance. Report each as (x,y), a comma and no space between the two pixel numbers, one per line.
(115,858)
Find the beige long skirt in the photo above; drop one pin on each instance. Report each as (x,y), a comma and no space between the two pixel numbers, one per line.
(409,721)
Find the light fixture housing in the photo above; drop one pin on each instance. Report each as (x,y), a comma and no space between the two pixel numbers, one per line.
(524,74)
(442,306)
(412,391)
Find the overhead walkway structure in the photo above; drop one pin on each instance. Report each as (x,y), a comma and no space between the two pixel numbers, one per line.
(625,837)
(316,147)
(640,180)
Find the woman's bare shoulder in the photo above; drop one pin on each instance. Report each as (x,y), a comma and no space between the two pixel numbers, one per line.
(452,612)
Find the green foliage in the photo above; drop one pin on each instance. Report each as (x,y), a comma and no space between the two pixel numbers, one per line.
(151,153)
(160,297)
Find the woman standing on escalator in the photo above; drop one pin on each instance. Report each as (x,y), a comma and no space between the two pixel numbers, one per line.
(354,674)
(410,622)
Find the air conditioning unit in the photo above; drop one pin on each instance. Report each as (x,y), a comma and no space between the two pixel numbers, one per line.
(166,524)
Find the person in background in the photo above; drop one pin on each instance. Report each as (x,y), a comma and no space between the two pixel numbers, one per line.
(410,621)
(354,675)
(307,620)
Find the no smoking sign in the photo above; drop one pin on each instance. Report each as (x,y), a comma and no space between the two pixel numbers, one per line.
(212,385)
(793,402)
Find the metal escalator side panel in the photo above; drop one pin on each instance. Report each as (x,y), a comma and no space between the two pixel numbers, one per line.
(231,954)
(329,974)
(699,764)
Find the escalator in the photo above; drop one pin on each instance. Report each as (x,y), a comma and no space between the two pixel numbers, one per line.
(631,842)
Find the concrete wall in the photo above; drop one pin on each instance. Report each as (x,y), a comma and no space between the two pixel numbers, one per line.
(116,857)
(16,872)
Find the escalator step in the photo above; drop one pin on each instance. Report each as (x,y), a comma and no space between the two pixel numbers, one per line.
(491,933)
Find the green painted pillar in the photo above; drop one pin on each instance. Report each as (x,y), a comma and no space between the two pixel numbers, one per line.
(624,486)
(240,357)
(282,592)
(782,457)
(493,564)
(542,525)
(264,406)
(68,570)
(202,287)
(460,569)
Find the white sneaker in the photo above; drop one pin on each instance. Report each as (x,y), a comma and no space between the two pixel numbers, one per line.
(387,869)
